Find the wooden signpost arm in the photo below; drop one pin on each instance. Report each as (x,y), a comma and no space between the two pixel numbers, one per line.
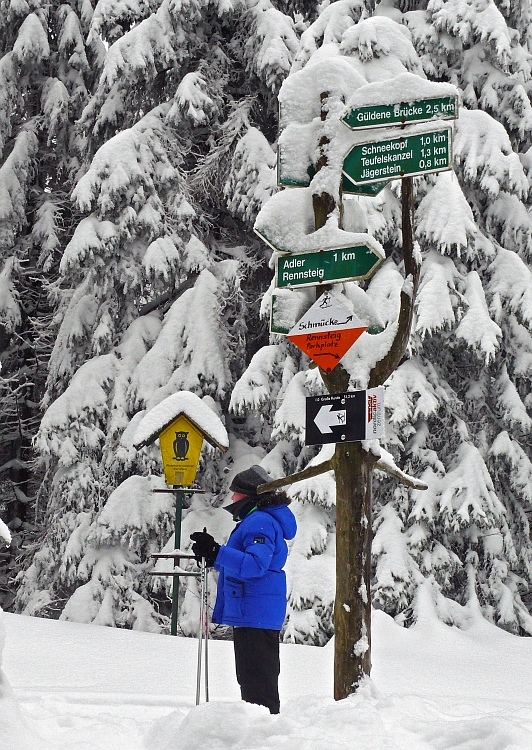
(308,473)
(389,363)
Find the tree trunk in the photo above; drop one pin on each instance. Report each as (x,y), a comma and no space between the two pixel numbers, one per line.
(352,607)
(352,468)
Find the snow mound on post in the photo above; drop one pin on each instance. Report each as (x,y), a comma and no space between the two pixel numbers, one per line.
(187,403)
(406,87)
(286,223)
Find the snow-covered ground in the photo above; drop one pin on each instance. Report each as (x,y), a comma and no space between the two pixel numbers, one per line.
(433,687)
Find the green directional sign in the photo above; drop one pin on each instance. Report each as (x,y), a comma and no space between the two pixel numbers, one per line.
(327,266)
(371,189)
(379,116)
(404,156)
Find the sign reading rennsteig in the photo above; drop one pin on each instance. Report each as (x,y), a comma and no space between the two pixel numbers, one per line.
(380,116)
(404,156)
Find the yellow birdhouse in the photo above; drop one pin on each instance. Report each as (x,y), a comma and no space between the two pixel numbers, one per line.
(180,445)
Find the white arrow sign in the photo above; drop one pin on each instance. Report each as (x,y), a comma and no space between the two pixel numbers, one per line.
(325,419)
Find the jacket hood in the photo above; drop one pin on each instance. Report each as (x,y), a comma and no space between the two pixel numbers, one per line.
(284,517)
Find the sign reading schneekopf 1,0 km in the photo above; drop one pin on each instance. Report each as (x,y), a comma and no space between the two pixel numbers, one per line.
(403,156)
(382,115)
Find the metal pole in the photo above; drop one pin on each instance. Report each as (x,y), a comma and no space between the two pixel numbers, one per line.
(179,495)
(200,632)
(206,621)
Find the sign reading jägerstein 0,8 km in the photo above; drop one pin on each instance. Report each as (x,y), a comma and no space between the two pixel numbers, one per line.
(399,157)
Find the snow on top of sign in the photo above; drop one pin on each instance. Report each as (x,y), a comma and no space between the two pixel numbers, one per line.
(299,96)
(406,87)
(193,407)
(286,222)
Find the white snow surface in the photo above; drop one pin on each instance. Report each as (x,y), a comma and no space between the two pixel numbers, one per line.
(193,407)
(433,687)
(286,223)
(406,87)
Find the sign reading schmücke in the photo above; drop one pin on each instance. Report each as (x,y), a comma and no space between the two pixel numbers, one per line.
(326,331)
(399,157)
(345,417)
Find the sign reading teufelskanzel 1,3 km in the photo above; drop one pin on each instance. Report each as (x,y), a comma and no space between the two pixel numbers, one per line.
(403,156)
(327,331)
(345,417)
(343,264)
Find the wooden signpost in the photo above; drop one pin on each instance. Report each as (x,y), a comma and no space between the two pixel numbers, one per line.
(346,418)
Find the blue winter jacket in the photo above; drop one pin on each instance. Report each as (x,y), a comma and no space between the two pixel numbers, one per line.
(252,582)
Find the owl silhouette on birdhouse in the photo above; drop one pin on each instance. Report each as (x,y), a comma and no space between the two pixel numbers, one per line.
(181,445)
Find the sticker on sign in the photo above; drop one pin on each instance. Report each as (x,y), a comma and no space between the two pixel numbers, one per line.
(345,417)
(327,331)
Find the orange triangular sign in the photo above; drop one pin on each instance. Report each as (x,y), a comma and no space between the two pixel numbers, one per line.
(327,331)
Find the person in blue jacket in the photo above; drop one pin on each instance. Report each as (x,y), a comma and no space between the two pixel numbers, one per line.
(251,593)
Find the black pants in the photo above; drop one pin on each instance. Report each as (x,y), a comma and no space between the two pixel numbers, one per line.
(258,666)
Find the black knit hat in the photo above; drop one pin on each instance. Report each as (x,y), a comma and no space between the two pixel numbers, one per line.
(246,482)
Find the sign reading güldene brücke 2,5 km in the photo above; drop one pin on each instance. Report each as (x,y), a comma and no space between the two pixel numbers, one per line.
(402,156)
(343,264)
(380,116)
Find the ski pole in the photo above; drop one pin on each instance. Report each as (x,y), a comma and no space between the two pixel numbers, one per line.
(203,569)
(206,624)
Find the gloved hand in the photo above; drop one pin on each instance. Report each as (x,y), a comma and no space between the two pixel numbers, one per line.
(204,546)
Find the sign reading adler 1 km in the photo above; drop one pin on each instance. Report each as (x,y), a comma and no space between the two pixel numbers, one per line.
(342,264)
(399,157)
(379,116)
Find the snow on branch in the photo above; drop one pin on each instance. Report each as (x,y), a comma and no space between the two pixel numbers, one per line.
(31,45)
(477,328)
(15,174)
(437,297)
(444,217)
(511,281)
(191,100)
(472,23)
(386,464)
(483,150)
(379,37)
(5,534)
(329,27)
(10,314)
(252,177)
(271,50)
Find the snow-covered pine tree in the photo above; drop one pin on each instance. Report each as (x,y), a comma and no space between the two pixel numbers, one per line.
(45,77)
(457,408)
(171,125)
